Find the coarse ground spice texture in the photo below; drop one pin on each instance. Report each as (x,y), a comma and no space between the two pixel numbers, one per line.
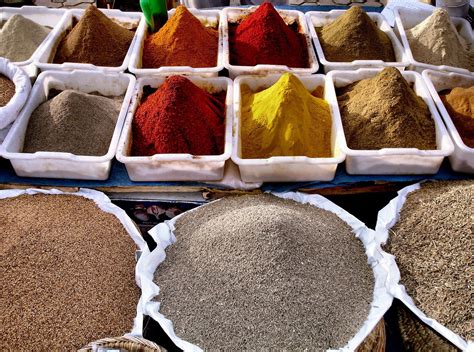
(68,274)
(263,37)
(182,41)
(432,243)
(260,272)
(180,117)
(7,90)
(96,40)
(354,36)
(459,103)
(385,112)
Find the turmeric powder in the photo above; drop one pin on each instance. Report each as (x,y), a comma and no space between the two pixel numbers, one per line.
(285,120)
(460,105)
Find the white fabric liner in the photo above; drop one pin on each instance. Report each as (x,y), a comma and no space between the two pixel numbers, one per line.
(386,219)
(381,264)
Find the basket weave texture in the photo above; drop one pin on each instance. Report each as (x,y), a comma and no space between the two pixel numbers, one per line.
(130,343)
(375,341)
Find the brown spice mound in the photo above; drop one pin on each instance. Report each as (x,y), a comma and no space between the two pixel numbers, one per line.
(68,274)
(7,90)
(96,40)
(432,244)
(460,105)
(385,112)
(354,36)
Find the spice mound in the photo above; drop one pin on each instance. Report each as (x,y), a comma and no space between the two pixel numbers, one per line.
(7,90)
(385,112)
(354,36)
(460,105)
(285,120)
(263,273)
(180,117)
(432,244)
(20,37)
(182,41)
(73,122)
(263,37)
(96,40)
(436,41)
(68,274)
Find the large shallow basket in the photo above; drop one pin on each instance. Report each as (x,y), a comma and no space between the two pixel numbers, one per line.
(375,341)
(130,343)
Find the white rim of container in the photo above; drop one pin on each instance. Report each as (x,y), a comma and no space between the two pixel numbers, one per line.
(262,68)
(425,14)
(142,33)
(381,24)
(37,88)
(47,53)
(390,151)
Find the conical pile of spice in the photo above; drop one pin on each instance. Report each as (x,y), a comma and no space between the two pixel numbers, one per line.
(179,117)
(354,36)
(182,41)
(460,105)
(385,112)
(20,37)
(7,90)
(436,41)
(285,120)
(96,40)
(264,38)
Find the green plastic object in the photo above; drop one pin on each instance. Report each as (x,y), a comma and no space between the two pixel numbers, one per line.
(155,13)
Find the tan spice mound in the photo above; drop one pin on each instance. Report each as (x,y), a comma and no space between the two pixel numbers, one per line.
(385,112)
(432,243)
(68,274)
(7,90)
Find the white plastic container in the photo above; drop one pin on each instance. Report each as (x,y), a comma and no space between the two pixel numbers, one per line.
(47,53)
(392,161)
(286,168)
(176,167)
(43,16)
(207,17)
(406,19)
(67,165)
(462,159)
(233,14)
(320,18)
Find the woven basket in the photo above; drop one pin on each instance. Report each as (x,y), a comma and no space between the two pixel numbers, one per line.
(131,344)
(375,341)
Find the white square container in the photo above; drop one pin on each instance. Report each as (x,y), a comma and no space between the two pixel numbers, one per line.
(43,16)
(233,14)
(286,168)
(211,17)
(320,18)
(67,165)
(462,159)
(176,167)
(47,53)
(406,19)
(392,161)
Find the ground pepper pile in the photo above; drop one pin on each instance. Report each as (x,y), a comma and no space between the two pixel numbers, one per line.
(285,120)
(263,37)
(96,40)
(385,112)
(182,41)
(263,273)
(7,90)
(179,117)
(460,105)
(354,36)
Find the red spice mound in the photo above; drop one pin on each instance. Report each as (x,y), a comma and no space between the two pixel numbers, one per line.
(179,117)
(264,38)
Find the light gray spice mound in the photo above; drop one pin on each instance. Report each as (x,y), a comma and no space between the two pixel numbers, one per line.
(258,272)
(68,274)
(73,122)
(433,246)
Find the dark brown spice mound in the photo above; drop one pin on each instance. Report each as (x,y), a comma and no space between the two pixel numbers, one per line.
(7,90)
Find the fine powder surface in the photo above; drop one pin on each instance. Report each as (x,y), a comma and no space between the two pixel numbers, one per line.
(385,112)
(7,90)
(460,105)
(96,40)
(20,37)
(182,41)
(263,37)
(73,122)
(260,272)
(436,41)
(285,120)
(354,36)
(68,274)
(432,243)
